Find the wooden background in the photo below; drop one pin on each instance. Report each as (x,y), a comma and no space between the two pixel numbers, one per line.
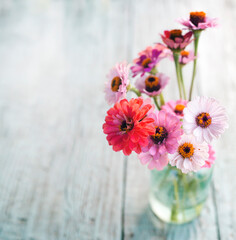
(59,179)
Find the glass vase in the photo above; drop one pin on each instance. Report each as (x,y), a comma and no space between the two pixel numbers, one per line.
(176,197)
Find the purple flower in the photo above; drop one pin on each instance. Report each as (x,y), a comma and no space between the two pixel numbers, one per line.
(148,59)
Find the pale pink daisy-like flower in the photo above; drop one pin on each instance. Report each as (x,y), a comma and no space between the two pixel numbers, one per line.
(175,107)
(175,40)
(198,21)
(152,85)
(153,162)
(147,59)
(205,118)
(116,87)
(190,155)
(211,158)
(165,139)
(186,57)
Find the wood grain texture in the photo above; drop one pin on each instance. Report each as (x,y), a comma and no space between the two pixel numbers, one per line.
(59,179)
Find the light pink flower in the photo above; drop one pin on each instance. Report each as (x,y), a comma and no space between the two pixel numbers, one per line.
(211,159)
(165,140)
(190,155)
(198,21)
(175,40)
(175,107)
(205,118)
(116,87)
(152,85)
(153,162)
(186,57)
(148,59)
(127,125)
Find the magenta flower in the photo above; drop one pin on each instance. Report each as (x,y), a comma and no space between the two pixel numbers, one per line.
(165,140)
(116,87)
(211,158)
(147,60)
(175,107)
(175,40)
(198,21)
(152,85)
(186,57)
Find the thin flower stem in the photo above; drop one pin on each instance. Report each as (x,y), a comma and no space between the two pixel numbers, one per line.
(182,81)
(175,208)
(176,58)
(154,71)
(162,99)
(156,102)
(135,90)
(196,40)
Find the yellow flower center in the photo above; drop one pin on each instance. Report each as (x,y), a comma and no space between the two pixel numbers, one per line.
(146,61)
(179,109)
(197,17)
(184,53)
(175,33)
(160,135)
(186,150)
(203,120)
(115,84)
(152,83)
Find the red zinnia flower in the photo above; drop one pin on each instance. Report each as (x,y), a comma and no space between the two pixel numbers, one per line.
(175,40)
(127,125)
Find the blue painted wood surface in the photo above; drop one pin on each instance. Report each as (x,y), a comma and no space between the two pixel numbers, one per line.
(59,179)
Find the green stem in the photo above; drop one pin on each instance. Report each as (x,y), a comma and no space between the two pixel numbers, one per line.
(156,102)
(135,90)
(175,208)
(196,34)
(162,99)
(154,71)
(182,80)
(176,58)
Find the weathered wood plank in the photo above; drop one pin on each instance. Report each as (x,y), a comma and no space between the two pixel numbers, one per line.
(59,178)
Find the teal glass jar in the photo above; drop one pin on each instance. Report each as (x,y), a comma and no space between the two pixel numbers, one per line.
(176,197)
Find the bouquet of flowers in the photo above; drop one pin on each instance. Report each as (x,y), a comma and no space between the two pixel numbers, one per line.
(175,135)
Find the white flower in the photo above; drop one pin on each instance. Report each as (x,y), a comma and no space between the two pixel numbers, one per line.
(190,155)
(205,118)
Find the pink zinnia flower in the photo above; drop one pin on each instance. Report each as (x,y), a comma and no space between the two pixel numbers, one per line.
(186,57)
(211,158)
(163,141)
(127,125)
(190,155)
(198,21)
(152,85)
(153,162)
(175,107)
(175,40)
(147,60)
(116,87)
(205,118)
